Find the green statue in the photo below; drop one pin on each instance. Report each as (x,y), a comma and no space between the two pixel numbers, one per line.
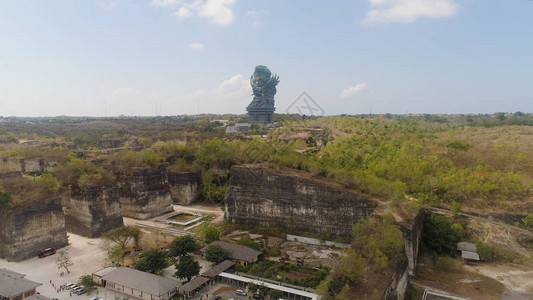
(264,87)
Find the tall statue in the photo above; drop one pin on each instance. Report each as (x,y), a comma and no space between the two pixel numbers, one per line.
(264,88)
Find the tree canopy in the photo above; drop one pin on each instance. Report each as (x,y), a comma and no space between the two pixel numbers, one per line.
(216,254)
(182,245)
(187,267)
(153,261)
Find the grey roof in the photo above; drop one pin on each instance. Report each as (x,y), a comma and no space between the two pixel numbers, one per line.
(221,267)
(141,281)
(238,252)
(5,271)
(103,272)
(469,255)
(466,246)
(37,297)
(13,284)
(192,285)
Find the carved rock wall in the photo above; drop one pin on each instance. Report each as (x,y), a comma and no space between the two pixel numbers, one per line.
(399,280)
(184,186)
(144,192)
(29,228)
(268,197)
(93,211)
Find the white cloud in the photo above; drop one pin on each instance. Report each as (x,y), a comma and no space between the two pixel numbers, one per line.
(165,3)
(231,96)
(256,15)
(183,12)
(196,46)
(218,12)
(353,90)
(106,5)
(407,11)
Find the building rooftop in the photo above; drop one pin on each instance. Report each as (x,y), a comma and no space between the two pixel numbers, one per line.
(192,285)
(221,267)
(142,281)
(238,252)
(13,284)
(469,255)
(466,246)
(104,272)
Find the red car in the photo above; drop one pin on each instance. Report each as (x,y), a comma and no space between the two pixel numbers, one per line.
(47,252)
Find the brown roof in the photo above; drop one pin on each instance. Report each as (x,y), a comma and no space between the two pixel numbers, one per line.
(221,267)
(238,252)
(192,285)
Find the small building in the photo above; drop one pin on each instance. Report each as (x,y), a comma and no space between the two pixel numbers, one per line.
(97,276)
(469,256)
(221,267)
(13,286)
(191,287)
(139,284)
(239,253)
(466,246)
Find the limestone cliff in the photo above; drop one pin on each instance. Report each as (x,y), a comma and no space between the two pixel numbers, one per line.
(184,186)
(144,192)
(92,211)
(294,200)
(29,228)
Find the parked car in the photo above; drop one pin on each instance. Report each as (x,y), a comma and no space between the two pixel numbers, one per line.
(240,292)
(71,285)
(80,291)
(257,297)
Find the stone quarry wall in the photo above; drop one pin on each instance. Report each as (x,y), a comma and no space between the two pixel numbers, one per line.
(93,211)
(29,228)
(267,197)
(144,192)
(13,164)
(184,186)
(399,280)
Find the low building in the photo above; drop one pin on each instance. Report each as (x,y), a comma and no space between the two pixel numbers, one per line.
(466,246)
(239,253)
(469,256)
(139,284)
(190,288)
(97,276)
(13,286)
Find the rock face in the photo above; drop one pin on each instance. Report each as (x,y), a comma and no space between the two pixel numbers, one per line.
(93,211)
(266,197)
(29,228)
(144,192)
(184,186)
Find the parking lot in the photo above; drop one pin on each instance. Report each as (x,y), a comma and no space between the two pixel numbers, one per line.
(87,256)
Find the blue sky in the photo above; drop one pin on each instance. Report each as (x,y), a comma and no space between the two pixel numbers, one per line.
(171,57)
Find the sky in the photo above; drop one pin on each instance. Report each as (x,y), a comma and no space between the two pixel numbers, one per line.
(175,57)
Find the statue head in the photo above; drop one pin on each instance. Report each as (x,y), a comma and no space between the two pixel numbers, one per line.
(261,75)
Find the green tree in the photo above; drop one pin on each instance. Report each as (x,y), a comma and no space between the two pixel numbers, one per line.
(439,236)
(216,254)
(182,245)
(122,235)
(116,255)
(5,198)
(63,261)
(187,267)
(87,281)
(153,261)
(211,234)
(275,294)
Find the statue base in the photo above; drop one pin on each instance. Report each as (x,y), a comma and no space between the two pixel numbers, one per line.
(260,115)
